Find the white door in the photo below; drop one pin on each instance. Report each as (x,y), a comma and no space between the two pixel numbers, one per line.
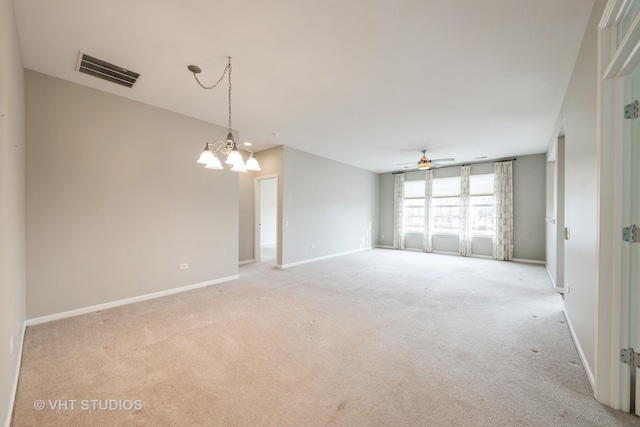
(634,300)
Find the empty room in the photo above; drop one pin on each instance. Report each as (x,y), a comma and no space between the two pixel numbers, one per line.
(303,213)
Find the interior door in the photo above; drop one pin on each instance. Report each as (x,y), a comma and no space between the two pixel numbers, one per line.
(634,300)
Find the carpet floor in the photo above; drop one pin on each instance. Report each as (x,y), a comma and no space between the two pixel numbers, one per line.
(375,338)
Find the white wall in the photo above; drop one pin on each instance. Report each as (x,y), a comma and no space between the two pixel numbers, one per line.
(12,225)
(578,120)
(328,207)
(115,200)
(529,209)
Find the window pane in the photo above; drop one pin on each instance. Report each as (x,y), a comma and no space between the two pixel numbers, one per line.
(446,214)
(481,184)
(413,215)
(414,189)
(446,187)
(482,215)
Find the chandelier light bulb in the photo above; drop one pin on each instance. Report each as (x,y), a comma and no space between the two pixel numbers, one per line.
(206,156)
(252,163)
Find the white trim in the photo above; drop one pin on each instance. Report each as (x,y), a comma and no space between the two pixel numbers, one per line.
(118,303)
(528,261)
(384,247)
(583,359)
(307,261)
(445,253)
(553,282)
(247,261)
(256,214)
(12,400)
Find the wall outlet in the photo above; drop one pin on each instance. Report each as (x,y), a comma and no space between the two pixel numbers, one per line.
(313,246)
(184,266)
(382,237)
(11,345)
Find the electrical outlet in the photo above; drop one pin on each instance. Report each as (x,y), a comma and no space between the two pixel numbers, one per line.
(184,266)
(11,345)
(382,237)
(313,246)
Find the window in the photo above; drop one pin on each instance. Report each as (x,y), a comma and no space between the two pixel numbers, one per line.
(446,205)
(482,211)
(414,206)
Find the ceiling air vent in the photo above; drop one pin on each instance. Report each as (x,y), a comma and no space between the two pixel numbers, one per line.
(105,71)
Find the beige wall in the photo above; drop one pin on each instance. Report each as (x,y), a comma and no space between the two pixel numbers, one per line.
(115,200)
(12,227)
(578,120)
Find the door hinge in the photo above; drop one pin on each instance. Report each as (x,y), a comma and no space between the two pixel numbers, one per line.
(631,110)
(630,234)
(630,357)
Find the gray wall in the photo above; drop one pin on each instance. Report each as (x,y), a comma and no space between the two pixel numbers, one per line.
(115,200)
(529,209)
(529,196)
(12,226)
(326,204)
(271,164)
(578,120)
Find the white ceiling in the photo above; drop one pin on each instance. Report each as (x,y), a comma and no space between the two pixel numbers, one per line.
(365,82)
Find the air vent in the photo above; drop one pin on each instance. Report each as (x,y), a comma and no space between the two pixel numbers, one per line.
(105,71)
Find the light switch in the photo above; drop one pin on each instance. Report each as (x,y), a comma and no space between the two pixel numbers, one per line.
(567,233)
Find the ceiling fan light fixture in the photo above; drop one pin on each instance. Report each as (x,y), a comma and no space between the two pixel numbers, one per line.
(424,164)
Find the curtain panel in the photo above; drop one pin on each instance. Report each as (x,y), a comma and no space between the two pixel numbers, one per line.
(427,243)
(465,199)
(503,191)
(398,212)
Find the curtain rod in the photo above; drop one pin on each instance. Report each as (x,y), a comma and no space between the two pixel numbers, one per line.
(458,165)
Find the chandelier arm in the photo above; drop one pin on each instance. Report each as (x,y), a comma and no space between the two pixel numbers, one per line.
(244,147)
(212,145)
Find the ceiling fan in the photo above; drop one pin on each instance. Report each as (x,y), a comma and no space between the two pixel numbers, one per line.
(425,163)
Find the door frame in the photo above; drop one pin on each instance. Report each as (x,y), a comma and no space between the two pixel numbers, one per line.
(616,62)
(256,216)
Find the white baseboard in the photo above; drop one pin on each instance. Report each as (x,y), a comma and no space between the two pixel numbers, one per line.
(384,247)
(307,261)
(553,282)
(583,359)
(247,261)
(12,400)
(528,261)
(93,308)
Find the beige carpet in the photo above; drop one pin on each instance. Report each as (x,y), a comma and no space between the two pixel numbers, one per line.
(377,338)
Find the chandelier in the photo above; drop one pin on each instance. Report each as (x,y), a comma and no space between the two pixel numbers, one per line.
(229,148)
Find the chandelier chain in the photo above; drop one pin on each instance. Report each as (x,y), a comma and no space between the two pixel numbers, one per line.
(229,68)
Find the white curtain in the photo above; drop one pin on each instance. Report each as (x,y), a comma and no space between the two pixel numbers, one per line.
(427,244)
(465,224)
(503,192)
(398,212)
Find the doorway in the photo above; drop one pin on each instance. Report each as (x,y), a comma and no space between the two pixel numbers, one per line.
(266,214)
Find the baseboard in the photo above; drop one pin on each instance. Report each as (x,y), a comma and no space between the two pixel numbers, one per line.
(528,261)
(583,359)
(93,308)
(247,261)
(307,261)
(384,247)
(553,281)
(12,400)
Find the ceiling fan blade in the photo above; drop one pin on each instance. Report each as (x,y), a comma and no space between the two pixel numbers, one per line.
(408,163)
(448,159)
